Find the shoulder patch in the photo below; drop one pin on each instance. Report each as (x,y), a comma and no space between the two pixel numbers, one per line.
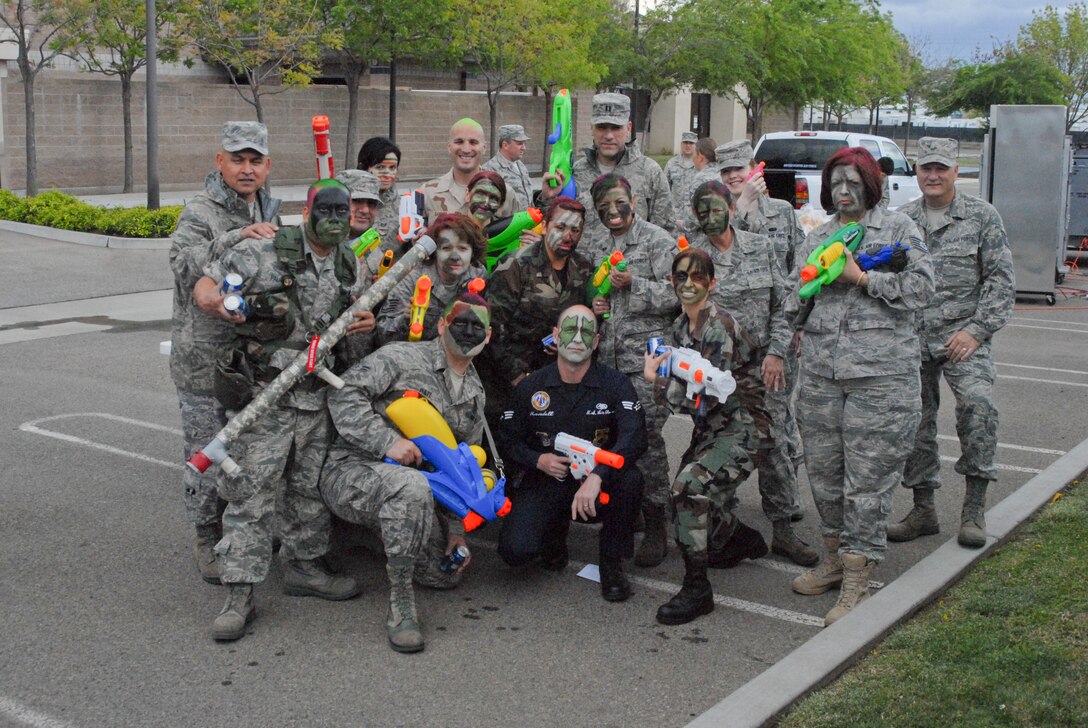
(540,401)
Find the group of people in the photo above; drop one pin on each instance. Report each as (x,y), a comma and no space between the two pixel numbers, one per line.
(538,351)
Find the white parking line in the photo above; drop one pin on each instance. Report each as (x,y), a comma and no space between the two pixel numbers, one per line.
(1048,328)
(999,466)
(1051,321)
(1022,448)
(26,716)
(1043,381)
(32,426)
(1042,369)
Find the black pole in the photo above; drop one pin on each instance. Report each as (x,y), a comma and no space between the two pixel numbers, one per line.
(152,102)
(393,100)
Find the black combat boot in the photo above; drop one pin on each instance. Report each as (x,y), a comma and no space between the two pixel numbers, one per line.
(695,598)
(745,543)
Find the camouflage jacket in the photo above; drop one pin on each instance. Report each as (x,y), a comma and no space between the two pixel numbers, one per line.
(678,171)
(653,197)
(444,194)
(972,266)
(775,219)
(526,296)
(685,189)
(358,410)
(752,288)
(852,332)
(720,340)
(646,307)
(388,222)
(211,223)
(519,185)
(395,314)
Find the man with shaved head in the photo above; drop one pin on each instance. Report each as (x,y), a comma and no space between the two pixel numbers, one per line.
(594,402)
(468,150)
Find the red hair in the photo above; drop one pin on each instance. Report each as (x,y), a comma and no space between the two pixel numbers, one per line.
(862,160)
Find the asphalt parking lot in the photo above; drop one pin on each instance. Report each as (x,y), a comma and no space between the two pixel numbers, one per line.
(106,621)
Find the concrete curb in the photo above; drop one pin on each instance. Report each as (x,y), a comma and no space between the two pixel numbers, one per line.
(762,701)
(56,235)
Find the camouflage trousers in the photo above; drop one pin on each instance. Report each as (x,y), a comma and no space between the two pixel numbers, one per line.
(777,475)
(972,384)
(201,418)
(654,463)
(705,488)
(395,503)
(281,455)
(857,435)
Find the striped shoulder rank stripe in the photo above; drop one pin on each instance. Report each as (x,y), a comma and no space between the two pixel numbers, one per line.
(633,406)
(507,415)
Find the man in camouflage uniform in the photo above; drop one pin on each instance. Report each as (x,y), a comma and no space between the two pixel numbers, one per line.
(611,153)
(641,305)
(449,192)
(295,284)
(728,435)
(519,186)
(366,204)
(973,268)
(361,487)
(679,170)
(232,207)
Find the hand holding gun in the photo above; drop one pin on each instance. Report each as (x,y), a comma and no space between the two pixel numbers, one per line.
(321,147)
(584,455)
(421,300)
(827,261)
(504,235)
(601,284)
(689,367)
(412,220)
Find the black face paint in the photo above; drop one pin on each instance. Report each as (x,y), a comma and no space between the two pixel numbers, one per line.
(330,216)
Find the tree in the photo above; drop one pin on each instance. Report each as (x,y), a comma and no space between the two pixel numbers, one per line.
(266,46)
(1062,41)
(33,33)
(887,77)
(110,37)
(1017,78)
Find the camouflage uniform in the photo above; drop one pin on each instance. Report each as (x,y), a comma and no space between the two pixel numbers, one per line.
(639,312)
(395,314)
(519,185)
(859,403)
(284,450)
(388,222)
(973,267)
(650,188)
(210,224)
(727,439)
(688,224)
(392,499)
(444,194)
(679,171)
(752,289)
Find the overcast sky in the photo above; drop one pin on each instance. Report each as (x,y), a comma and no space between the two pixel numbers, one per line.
(954,28)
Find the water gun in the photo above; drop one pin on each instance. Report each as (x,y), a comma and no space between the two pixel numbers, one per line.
(682,244)
(828,260)
(477,286)
(601,283)
(385,264)
(421,300)
(758,169)
(584,455)
(562,141)
(457,479)
(503,234)
(321,147)
(365,243)
(689,367)
(894,256)
(412,221)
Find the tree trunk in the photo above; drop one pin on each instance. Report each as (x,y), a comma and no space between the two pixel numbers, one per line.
(351,80)
(910,110)
(393,100)
(126,115)
(493,116)
(31,142)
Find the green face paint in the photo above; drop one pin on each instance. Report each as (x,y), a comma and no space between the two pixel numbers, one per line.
(712,214)
(576,333)
(329,217)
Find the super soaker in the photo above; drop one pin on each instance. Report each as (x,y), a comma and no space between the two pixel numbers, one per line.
(421,300)
(827,261)
(562,141)
(321,147)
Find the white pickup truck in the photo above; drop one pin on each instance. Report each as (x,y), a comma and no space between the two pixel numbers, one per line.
(804,153)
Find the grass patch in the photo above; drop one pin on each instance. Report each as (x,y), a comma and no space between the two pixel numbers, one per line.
(64,212)
(1007,646)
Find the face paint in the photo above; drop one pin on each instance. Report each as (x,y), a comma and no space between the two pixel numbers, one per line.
(484,201)
(452,257)
(576,332)
(329,215)
(713,214)
(386,171)
(466,329)
(563,233)
(615,210)
(691,288)
(847,191)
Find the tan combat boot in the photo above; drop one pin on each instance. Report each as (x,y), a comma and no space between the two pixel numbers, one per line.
(238,611)
(402,624)
(827,574)
(786,542)
(921,521)
(207,536)
(855,585)
(973,518)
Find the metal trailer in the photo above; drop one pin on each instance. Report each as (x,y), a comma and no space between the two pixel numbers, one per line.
(1024,174)
(1077,230)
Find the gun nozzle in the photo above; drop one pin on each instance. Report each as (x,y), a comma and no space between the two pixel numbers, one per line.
(808,273)
(506,506)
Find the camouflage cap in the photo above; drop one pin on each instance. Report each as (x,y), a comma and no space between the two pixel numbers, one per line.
(937,149)
(614,109)
(689,136)
(239,135)
(737,153)
(361,184)
(512,132)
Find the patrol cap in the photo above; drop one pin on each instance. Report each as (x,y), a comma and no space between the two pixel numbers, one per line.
(689,136)
(937,149)
(361,184)
(512,132)
(737,153)
(239,135)
(614,109)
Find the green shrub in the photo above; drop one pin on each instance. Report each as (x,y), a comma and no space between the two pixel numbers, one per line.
(58,210)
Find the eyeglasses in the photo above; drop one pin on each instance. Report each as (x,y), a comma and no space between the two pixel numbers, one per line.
(680,277)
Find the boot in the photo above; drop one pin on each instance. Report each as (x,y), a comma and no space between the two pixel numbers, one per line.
(786,543)
(745,543)
(401,623)
(855,585)
(827,574)
(654,538)
(237,612)
(695,598)
(614,584)
(207,536)
(921,521)
(309,579)
(973,518)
